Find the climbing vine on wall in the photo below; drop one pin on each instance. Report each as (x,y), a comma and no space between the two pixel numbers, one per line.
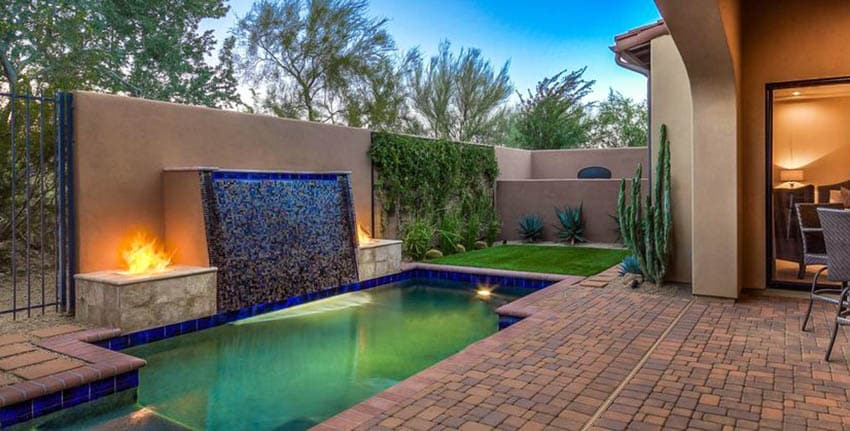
(425,179)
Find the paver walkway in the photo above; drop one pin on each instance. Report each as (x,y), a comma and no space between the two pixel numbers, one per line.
(589,358)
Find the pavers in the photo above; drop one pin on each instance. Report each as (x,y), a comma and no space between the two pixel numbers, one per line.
(605,359)
(54,366)
(26,359)
(56,330)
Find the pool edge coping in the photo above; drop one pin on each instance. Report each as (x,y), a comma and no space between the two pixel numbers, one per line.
(523,308)
(106,364)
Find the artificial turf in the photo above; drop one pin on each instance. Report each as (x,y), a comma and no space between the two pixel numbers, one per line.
(581,261)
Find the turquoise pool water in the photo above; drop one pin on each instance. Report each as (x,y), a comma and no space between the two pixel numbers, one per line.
(294,368)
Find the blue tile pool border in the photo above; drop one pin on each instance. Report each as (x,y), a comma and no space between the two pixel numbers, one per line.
(146,336)
(71,397)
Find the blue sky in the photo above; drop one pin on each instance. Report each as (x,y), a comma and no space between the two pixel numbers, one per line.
(540,38)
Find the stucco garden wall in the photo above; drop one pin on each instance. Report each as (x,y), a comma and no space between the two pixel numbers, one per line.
(123,144)
(548,180)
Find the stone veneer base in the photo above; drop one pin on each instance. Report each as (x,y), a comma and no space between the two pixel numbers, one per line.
(134,302)
(378,257)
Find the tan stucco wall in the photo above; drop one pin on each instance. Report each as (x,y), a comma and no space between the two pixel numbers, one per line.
(516,198)
(812,135)
(781,41)
(700,31)
(558,164)
(123,144)
(183,217)
(671,105)
(514,164)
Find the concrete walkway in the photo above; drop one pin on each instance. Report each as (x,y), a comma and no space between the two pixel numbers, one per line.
(590,358)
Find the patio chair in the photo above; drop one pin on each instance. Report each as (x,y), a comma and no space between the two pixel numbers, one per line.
(814,253)
(836,235)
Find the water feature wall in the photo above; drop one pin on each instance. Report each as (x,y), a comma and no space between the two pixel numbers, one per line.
(275,235)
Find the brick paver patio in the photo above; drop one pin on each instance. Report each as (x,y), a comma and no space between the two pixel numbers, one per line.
(589,358)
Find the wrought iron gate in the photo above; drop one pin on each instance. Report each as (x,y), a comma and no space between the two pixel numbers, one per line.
(36,207)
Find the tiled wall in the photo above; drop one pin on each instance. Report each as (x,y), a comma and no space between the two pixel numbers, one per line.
(278,235)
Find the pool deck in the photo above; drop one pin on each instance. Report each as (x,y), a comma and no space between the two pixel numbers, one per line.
(588,358)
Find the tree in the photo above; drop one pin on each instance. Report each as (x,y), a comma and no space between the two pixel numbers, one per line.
(380,101)
(151,49)
(459,97)
(555,115)
(309,53)
(620,122)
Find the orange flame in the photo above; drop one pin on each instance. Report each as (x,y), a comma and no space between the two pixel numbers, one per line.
(362,236)
(145,256)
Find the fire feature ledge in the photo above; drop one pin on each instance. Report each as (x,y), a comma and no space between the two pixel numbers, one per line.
(136,302)
(378,257)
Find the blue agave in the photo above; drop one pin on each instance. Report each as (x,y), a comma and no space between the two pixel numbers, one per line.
(530,227)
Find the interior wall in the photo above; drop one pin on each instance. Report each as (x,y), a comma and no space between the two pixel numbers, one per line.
(812,135)
(781,41)
(671,105)
(123,144)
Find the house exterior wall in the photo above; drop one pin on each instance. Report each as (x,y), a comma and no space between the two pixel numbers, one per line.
(701,30)
(786,41)
(671,105)
(123,144)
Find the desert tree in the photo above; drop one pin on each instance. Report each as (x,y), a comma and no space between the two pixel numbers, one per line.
(308,54)
(555,114)
(459,96)
(620,122)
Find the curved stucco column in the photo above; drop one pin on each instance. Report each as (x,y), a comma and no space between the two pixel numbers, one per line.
(705,33)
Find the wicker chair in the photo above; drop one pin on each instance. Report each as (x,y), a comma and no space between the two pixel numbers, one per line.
(836,235)
(811,236)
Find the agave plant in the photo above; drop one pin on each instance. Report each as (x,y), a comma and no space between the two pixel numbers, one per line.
(571,222)
(530,227)
(630,265)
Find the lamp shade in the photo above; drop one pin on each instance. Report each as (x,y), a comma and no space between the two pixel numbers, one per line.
(791,175)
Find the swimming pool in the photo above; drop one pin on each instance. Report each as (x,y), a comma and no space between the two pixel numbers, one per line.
(294,368)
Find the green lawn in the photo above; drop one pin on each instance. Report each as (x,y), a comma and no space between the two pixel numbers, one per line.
(582,261)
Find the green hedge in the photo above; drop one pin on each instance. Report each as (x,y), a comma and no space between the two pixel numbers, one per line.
(425,179)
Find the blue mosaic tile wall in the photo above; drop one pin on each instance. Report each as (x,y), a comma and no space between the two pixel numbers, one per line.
(278,235)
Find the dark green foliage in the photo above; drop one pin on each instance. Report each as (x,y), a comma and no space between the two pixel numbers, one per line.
(530,227)
(620,122)
(630,265)
(432,179)
(554,115)
(493,231)
(417,239)
(647,227)
(449,233)
(570,224)
(433,254)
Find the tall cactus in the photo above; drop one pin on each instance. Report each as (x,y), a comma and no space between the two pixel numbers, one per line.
(647,228)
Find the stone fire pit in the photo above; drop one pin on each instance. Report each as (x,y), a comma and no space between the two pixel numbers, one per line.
(378,257)
(135,302)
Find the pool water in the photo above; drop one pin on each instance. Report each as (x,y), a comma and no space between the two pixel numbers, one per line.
(294,368)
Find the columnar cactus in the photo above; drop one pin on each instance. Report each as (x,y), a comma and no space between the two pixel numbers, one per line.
(647,228)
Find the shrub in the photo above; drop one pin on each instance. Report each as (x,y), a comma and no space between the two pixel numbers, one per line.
(459,248)
(571,223)
(530,227)
(480,245)
(630,265)
(471,230)
(448,233)
(417,238)
(494,230)
(433,254)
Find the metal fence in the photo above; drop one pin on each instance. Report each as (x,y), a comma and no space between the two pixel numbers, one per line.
(36,204)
